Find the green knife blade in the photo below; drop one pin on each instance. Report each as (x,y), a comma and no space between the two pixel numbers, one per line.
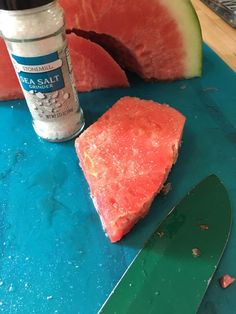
(170,275)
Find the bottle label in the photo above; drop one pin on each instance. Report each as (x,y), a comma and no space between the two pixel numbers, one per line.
(48,84)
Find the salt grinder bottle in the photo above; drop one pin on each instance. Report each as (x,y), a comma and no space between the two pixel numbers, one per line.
(34,33)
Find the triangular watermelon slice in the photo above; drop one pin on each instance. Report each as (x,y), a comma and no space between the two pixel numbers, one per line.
(93,68)
(158,39)
(126,157)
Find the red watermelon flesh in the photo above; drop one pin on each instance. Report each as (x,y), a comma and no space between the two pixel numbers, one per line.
(93,67)
(160,39)
(116,49)
(9,85)
(126,157)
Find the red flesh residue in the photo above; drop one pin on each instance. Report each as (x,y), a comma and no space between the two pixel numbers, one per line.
(226,281)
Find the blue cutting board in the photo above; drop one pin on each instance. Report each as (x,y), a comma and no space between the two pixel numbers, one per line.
(55,257)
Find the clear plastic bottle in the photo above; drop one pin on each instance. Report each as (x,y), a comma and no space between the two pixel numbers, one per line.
(35,36)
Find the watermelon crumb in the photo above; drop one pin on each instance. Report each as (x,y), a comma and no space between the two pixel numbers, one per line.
(196,252)
(226,281)
(204,227)
(166,188)
(160,234)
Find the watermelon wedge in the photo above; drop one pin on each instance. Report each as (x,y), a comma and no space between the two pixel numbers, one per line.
(126,157)
(93,67)
(157,39)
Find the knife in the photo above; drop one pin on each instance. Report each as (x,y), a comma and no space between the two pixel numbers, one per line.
(171,274)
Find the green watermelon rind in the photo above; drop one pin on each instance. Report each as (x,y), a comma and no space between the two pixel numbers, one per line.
(198,26)
(187,20)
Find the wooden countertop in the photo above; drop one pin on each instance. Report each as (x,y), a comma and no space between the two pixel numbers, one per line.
(217,34)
